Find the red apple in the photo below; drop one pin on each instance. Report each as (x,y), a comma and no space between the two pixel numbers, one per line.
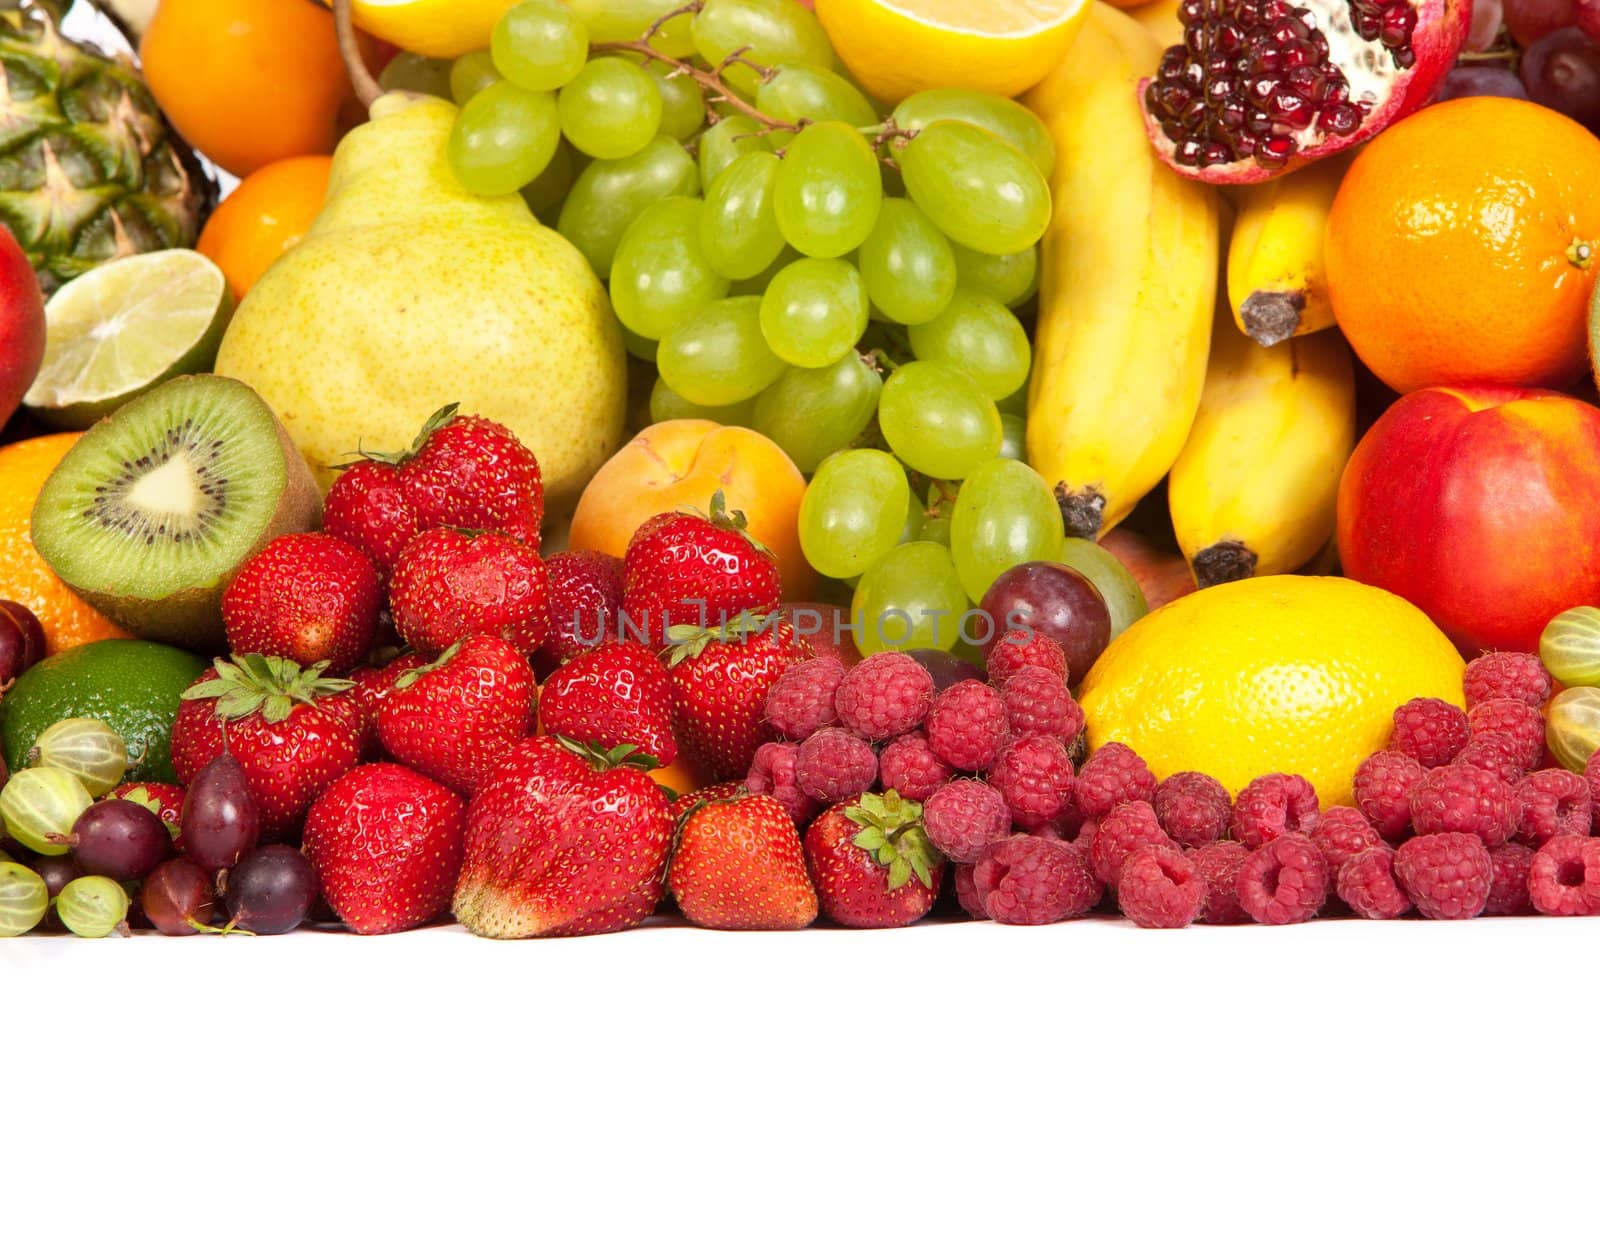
(21,325)
(1479,506)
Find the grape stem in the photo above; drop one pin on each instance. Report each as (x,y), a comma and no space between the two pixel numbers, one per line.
(365,85)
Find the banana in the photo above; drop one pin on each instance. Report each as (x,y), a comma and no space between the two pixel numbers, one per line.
(1253,491)
(1277,279)
(1128,286)
(1160,18)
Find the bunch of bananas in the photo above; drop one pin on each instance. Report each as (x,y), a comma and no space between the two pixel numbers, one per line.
(1145,369)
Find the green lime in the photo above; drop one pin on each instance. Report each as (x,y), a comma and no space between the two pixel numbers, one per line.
(121,329)
(131,685)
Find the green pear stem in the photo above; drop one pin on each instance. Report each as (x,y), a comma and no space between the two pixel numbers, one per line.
(366,86)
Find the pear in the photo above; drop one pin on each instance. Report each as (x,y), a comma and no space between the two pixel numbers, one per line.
(408,293)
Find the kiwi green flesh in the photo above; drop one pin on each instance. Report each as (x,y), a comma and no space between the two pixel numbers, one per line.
(151,513)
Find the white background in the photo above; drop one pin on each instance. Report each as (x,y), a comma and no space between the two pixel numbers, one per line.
(956,1081)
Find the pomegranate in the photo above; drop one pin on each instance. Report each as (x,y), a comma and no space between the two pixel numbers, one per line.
(1258,87)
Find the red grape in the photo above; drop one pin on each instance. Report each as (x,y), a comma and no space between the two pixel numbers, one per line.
(1487,18)
(947,668)
(120,840)
(220,818)
(270,890)
(21,640)
(1562,71)
(1468,80)
(177,898)
(1531,20)
(1054,600)
(56,871)
(1589,18)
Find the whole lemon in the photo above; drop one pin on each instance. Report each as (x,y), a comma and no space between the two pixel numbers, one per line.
(1284,674)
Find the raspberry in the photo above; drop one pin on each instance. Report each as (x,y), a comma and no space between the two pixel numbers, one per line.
(1522,722)
(801,702)
(964,817)
(1068,827)
(1499,754)
(1367,883)
(1507,676)
(1447,875)
(1023,880)
(772,772)
(1430,731)
(909,766)
(1019,648)
(1118,832)
(1508,891)
(1459,799)
(1037,702)
(966,725)
(1285,881)
(1114,775)
(887,694)
(1564,878)
(967,893)
(833,766)
(1219,864)
(1034,776)
(1383,785)
(1274,805)
(1551,802)
(1341,834)
(1161,888)
(1193,808)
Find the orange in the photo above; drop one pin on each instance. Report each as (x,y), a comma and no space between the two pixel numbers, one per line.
(1463,246)
(67,620)
(247,82)
(265,216)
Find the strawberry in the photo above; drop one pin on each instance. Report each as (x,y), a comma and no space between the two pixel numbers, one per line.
(386,844)
(372,686)
(449,584)
(456,718)
(560,841)
(720,679)
(293,731)
(309,597)
(872,863)
(368,507)
(690,569)
(585,598)
(738,865)
(162,798)
(615,694)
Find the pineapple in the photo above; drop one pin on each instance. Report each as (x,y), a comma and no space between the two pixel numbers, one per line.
(89,170)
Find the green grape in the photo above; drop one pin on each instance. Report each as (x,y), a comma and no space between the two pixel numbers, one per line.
(765,32)
(92,906)
(503,139)
(540,45)
(24,898)
(665,405)
(1572,726)
(1570,647)
(546,192)
(683,103)
(938,421)
(90,750)
(812,412)
(39,807)
(660,275)
(1009,279)
(725,142)
(933,517)
(979,189)
(828,191)
(1004,118)
(982,338)
(717,356)
(910,598)
(623,21)
(611,109)
(805,93)
(1013,437)
(907,264)
(853,511)
(1005,515)
(470,74)
(410,72)
(609,195)
(643,348)
(814,311)
(739,230)
(757,284)
(1124,598)
(1015,403)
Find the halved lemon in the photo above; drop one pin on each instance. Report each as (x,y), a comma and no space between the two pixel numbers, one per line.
(444,29)
(896,48)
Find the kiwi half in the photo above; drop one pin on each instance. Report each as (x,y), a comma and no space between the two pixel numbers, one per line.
(150,515)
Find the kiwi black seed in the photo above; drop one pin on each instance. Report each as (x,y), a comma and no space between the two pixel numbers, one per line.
(151,513)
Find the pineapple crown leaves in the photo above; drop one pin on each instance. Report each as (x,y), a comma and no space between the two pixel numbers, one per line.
(411,677)
(892,833)
(627,755)
(719,516)
(688,640)
(435,421)
(271,686)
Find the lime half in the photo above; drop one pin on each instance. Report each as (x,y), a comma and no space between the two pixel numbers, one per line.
(121,329)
